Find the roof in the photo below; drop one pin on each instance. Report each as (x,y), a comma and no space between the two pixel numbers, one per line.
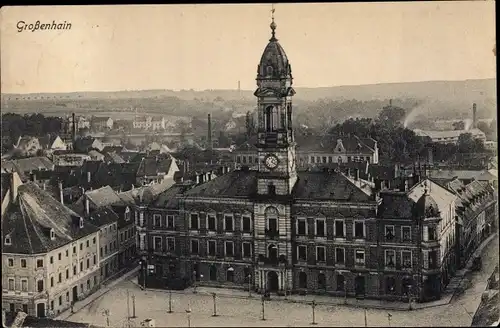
(113,158)
(95,153)
(112,149)
(103,216)
(103,196)
(169,198)
(35,322)
(329,143)
(152,166)
(100,119)
(48,140)
(448,133)
(395,205)
(29,221)
(274,56)
(29,164)
(450,174)
(237,183)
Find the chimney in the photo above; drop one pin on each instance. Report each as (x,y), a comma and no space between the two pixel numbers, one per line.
(474,116)
(88,177)
(87,205)
(61,192)
(356,174)
(209,132)
(430,157)
(73,127)
(209,176)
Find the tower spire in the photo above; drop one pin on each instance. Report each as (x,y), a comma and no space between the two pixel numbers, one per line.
(273,24)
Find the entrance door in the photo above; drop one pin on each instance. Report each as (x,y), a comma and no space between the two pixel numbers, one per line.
(359,283)
(75,293)
(272,281)
(40,310)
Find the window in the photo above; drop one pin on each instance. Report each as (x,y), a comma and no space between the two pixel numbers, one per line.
(39,263)
(301,227)
(101,252)
(229,248)
(105,249)
(24,285)
(302,253)
(390,284)
(212,247)
(271,189)
(406,233)
(23,263)
(246,224)
(228,223)
(194,221)
(12,284)
(359,257)
(170,244)
(11,262)
(60,300)
(156,220)
(324,159)
(339,229)
(88,263)
(59,280)
(432,259)
(52,305)
(67,253)
(322,280)
(359,229)
(74,249)
(311,159)
(320,254)
(432,233)
(194,246)
(94,262)
(244,159)
(272,224)
(238,159)
(59,256)
(340,256)
(211,222)
(81,265)
(51,260)
(170,221)
(40,285)
(74,270)
(390,258)
(8,240)
(389,232)
(157,243)
(320,228)
(67,273)
(247,250)
(406,259)
(81,246)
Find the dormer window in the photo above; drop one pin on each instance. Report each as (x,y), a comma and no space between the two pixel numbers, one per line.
(81,222)
(8,240)
(52,234)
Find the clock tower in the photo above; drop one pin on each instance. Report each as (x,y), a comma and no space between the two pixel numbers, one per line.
(276,145)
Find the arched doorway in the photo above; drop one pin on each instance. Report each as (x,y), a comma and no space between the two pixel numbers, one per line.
(359,284)
(272,281)
(40,310)
(302,280)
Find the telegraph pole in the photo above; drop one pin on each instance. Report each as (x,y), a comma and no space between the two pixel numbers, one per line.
(313,306)
(366,322)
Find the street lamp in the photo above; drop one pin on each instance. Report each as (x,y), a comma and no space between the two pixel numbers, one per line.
(214,296)
(263,311)
(106,314)
(188,311)
(169,301)
(389,316)
(409,297)
(313,306)
(345,293)
(249,277)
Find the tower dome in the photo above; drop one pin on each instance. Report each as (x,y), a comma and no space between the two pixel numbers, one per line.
(274,62)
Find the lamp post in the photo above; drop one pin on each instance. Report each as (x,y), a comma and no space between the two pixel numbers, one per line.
(106,314)
(194,282)
(169,301)
(409,297)
(345,293)
(133,307)
(263,311)
(188,311)
(366,321)
(214,296)
(389,316)
(249,285)
(313,306)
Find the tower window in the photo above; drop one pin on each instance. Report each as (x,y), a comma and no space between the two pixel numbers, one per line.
(271,189)
(269,70)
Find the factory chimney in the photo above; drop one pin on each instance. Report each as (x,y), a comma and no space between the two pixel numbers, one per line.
(239,86)
(474,116)
(209,132)
(73,127)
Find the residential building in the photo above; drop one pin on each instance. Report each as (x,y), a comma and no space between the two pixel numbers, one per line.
(450,136)
(45,248)
(84,145)
(149,123)
(70,159)
(101,123)
(156,169)
(28,146)
(52,142)
(82,123)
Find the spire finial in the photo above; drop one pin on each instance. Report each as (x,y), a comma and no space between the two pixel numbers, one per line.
(273,24)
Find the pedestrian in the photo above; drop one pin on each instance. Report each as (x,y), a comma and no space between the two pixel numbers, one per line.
(72,306)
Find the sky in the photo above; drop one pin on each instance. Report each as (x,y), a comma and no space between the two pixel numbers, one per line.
(111,48)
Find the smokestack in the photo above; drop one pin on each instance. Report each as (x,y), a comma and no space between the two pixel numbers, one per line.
(239,86)
(61,192)
(209,132)
(390,102)
(474,116)
(73,127)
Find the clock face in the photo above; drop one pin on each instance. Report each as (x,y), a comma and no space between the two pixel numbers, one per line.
(271,161)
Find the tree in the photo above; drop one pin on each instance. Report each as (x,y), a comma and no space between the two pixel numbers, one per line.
(467,144)
(460,125)
(392,115)
(250,124)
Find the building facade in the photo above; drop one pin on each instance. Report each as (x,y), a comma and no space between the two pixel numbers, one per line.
(50,255)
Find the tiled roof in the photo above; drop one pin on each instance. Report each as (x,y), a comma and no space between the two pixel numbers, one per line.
(29,222)
(169,198)
(103,196)
(395,205)
(152,166)
(381,172)
(29,164)
(146,194)
(103,216)
(332,186)
(47,140)
(233,184)
(95,153)
(113,157)
(112,149)
(328,143)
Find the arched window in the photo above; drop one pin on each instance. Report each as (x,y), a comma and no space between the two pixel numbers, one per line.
(40,285)
(269,70)
(271,189)
(272,253)
(230,274)
(269,118)
(271,215)
(213,273)
(302,280)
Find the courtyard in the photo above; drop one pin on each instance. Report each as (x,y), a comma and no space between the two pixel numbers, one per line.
(238,311)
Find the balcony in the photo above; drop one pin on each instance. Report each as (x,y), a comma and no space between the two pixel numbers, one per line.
(274,261)
(271,233)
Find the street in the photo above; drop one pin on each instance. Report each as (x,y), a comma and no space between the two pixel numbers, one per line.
(248,312)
